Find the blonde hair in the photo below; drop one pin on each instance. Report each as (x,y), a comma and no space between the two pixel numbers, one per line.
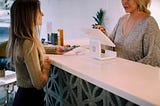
(143,5)
(23,27)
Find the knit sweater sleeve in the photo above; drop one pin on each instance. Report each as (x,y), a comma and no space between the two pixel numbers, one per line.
(32,61)
(151,44)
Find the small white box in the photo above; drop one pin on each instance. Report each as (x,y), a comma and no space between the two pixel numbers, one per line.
(96,39)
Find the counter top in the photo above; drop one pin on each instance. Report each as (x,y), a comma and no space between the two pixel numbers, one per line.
(136,82)
(10,77)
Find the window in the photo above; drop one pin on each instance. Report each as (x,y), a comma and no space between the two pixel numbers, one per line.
(5,18)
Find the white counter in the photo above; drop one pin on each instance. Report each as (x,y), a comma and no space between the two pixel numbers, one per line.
(133,81)
(10,78)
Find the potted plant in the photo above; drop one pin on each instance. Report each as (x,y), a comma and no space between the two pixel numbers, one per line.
(99,18)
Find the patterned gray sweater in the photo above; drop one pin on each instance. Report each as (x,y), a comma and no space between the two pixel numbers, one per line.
(142,44)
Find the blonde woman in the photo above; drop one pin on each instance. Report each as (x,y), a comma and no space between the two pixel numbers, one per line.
(27,54)
(137,35)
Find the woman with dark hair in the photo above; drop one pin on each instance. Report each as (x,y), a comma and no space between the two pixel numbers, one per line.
(26,53)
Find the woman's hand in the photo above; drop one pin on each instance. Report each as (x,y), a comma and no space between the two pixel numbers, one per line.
(46,69)
(47,63)
(54,49)
(101,28)
(59,50)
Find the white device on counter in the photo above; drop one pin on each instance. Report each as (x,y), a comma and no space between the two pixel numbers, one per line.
(96,39)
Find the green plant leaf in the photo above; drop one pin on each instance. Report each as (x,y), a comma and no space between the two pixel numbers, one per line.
(97,21)
(99,17)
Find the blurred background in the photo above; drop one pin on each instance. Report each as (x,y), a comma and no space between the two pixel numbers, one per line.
(72,16)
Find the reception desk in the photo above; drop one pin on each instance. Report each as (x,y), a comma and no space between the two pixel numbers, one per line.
(130,81)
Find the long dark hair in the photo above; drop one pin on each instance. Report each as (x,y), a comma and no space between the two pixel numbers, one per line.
(23,25)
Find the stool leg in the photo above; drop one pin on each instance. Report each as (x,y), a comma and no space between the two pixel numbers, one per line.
(7,96)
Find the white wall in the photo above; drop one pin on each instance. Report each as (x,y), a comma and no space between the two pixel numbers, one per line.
(73,15)
(155,10)
(115,11)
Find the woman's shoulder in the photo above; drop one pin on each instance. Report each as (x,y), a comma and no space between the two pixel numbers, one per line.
(122,18)
(27,43)
(28,47)
(150,20)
